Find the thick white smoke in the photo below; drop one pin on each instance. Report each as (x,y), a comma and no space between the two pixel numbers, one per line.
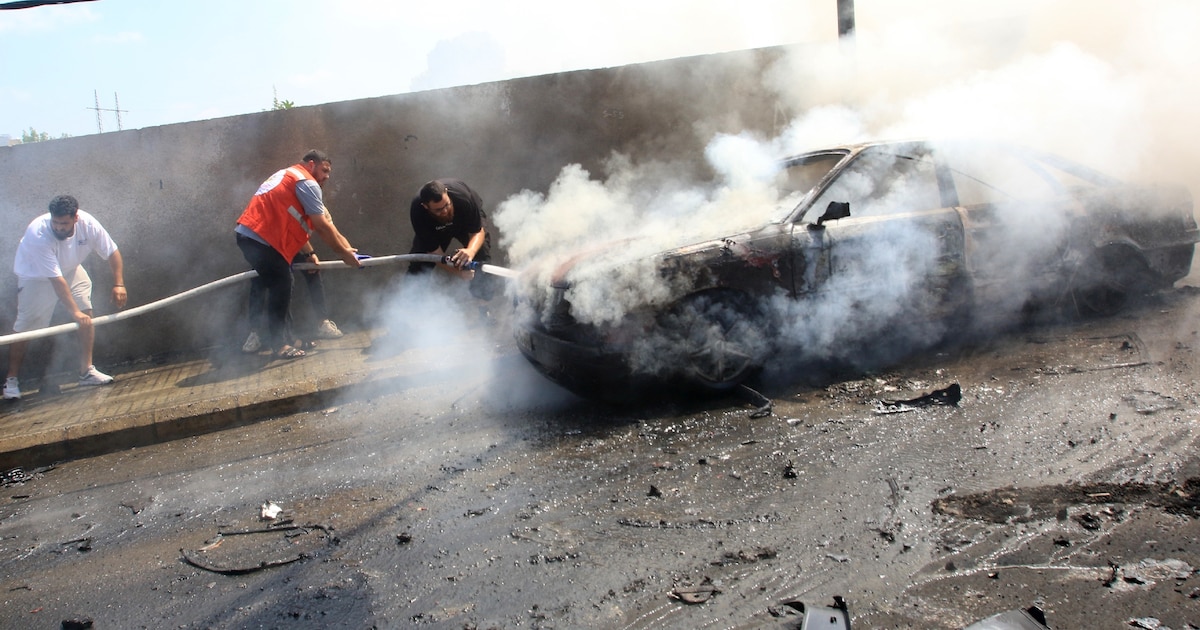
(1109,84)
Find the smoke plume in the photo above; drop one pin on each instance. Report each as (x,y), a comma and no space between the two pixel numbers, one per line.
(1109,84)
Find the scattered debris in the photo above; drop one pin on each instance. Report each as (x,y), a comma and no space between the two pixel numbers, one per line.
(77,624)
(18,476)
(1031,618)
(270,547)
(789,471)
(83,544)
(695,594)
(137,504)
(950,395)
(270,511)
(763,405)
(403,538)
(1149,571)
(746,556)
(1007,505)
(1148,402)
(1147,623)
(697,523)
(834,617)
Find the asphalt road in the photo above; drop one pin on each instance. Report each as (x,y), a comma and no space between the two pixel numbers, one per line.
(495,500)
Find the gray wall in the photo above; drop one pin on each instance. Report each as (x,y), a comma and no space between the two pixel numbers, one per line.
(170,195)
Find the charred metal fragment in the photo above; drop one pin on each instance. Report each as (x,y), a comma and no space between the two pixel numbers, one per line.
(218,558)
(834,617)
(950,395)
(1031,618)
(763,405)
(695,594)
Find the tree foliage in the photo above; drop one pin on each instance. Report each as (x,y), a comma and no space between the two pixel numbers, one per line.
(278,104)
(33,135)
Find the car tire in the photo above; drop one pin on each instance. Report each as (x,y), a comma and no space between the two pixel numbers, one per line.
(718,339)
(1109,277)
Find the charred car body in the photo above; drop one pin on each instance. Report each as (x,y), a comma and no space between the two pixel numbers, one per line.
(883,241)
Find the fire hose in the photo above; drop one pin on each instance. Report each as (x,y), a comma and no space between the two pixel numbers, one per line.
(366,261)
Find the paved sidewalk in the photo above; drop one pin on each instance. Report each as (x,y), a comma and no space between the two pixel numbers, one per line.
(151,403)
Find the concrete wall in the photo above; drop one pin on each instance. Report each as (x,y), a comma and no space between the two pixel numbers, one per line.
(170,195)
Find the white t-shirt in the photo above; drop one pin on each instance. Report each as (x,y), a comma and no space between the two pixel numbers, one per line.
(41,255)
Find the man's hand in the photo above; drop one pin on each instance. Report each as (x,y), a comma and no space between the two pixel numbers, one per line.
(83,319)
(460,258)
(119,296)
(349,257)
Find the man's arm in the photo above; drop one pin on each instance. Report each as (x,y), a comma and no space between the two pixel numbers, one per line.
(119,296)
(63,291)
(468,253)
(332,237)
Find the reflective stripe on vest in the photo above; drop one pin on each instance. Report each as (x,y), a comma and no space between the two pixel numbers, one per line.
(299,217)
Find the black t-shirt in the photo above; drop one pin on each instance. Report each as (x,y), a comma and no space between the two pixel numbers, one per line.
(429,234)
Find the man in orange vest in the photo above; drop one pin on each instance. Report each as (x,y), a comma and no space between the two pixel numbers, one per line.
(276,225)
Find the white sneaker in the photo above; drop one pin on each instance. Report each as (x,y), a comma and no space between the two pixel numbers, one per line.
(252,343)
(12,390)
(95,377)
(328,330)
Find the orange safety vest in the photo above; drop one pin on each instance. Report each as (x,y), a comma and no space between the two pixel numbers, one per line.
(275,212)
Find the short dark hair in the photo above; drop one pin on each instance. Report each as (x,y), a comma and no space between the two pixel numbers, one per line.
(432,191)
(64,206)
(316,155)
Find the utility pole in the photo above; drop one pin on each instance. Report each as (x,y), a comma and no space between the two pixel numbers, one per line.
(116,108)
(99,121)
(845,17)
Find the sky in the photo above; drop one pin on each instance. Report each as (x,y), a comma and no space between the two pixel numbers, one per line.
(178,61)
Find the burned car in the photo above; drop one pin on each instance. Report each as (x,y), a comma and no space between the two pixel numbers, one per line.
(870,247)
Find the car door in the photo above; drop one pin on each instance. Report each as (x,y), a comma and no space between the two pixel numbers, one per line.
(1017,224)
(900,250)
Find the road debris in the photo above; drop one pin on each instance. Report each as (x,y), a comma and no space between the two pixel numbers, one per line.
(1031,618)
(259,549)
(834,617)
(763,405)
(695,594)
(270,511)
(950,395)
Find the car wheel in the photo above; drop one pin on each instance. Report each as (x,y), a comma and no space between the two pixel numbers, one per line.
(717,337)
(1108,278)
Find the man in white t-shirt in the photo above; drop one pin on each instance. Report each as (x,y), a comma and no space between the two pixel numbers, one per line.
(49,272)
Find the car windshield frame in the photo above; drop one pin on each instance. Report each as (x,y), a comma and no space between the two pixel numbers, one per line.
(796,187)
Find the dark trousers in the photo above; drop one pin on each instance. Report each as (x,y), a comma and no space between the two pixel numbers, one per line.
(272,288)
(316,289)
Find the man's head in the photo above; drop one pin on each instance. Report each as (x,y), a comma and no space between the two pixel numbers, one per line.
(436,200)
(64,212)
(318,165)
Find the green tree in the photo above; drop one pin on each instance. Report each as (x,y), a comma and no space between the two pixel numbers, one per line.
(278,104)
(34,135)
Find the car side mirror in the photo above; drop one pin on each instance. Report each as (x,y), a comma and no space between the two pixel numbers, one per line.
(835,210)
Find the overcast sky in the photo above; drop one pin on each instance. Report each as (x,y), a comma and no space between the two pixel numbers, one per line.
(175,61)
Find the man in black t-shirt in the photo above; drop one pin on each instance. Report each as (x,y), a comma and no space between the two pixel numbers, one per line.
(445,210)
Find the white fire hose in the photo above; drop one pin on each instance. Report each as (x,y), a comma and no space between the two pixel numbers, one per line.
(246,275)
